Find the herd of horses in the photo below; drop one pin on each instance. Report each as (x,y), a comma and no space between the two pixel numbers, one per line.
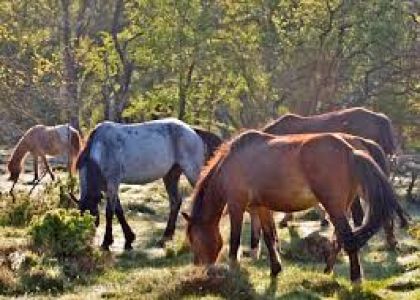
(337,160)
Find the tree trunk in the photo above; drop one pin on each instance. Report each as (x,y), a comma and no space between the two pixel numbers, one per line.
(70,69)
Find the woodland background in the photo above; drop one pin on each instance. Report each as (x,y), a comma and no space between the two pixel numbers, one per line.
(223,65)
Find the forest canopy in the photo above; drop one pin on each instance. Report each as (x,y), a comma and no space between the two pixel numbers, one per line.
(223,65)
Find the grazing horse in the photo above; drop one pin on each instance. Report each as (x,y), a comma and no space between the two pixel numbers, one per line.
(370,148)
(286,173)
(355,121)
(41,140)
(137,154)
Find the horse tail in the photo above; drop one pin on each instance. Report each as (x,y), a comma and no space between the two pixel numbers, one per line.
(75,146)
(380,158)
(378,155)
(379,194)
(211,141)
(386,136)
(94,178)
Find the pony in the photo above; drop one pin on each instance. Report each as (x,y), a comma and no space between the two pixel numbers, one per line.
(377,154)
(286,173)
(356,121)
(41,140)
(137,153)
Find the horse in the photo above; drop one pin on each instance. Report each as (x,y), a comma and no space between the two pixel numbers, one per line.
(356,121)
(286,173)
(377,154)
(137,153)
(41,140)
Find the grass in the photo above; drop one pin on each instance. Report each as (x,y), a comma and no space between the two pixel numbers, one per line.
(149,272)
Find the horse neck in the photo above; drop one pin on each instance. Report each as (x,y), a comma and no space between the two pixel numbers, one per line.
(18,155)
(209,207)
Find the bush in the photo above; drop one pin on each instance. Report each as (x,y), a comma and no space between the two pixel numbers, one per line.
(18,213)
(414,231)
(63,234)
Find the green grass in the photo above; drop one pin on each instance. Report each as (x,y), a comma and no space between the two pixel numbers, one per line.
(149,272)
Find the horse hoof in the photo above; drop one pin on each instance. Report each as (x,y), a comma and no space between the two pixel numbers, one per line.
(254,254)
(324,223)
(392,244)
(128,247)
(105,248)
(275,270)
(283,224)
(356,282)
(161,243)
(327,270)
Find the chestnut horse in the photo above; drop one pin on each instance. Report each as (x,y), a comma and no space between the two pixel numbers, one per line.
(355,121)
(287,173)
(41,140)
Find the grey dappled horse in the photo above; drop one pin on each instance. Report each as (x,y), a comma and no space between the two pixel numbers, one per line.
(137,154)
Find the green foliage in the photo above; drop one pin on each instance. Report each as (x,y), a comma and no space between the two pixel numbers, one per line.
(414,231)
(60,233)
(219,64)
(19,213)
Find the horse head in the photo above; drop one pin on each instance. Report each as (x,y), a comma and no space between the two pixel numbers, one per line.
(84,205)
(205,241)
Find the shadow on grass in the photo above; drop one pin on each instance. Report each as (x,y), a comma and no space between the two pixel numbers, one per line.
(216,281)
(140,259)
(385,267)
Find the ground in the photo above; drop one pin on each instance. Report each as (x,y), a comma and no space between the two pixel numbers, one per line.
(149,272)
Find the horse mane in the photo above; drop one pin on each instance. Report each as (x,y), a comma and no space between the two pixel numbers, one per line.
(84,154)
(214,166)
(210,139)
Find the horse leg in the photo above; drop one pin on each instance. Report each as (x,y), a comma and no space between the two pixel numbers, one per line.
(255,234)
(47,166)
(171,184)
(409,195)
(332,256)
(389,233)
(345,238)
(236,214)
(111,200)
(36,175)
(323,215)
(270,238)
(357,212)
(128,233)
(109,213)
(287,217)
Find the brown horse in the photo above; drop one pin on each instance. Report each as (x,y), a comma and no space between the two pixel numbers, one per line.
(41,140)
(355,121)
(287,173)
(378,155)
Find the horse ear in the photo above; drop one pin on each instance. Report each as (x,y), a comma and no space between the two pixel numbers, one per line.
(186,217)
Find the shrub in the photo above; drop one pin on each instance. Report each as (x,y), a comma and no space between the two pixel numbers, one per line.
(414,231)
(18,213)
(63,234)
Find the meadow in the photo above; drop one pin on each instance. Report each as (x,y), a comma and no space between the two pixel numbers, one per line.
(149,272)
